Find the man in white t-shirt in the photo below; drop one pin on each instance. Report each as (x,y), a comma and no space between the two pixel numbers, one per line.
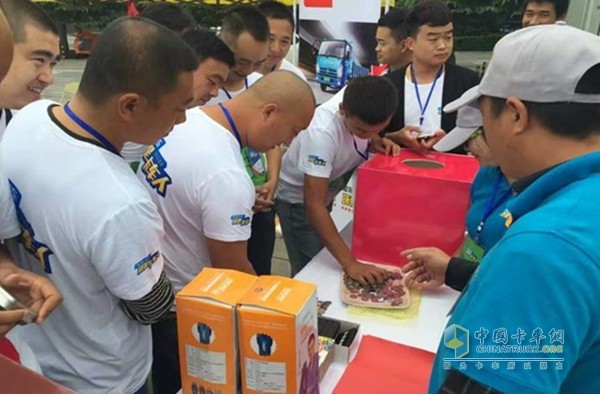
(430,81)
(281,30)
(198,179)
(318,164)
(14,280)
(86,222)
(36,52)
(215,61)
(246,30)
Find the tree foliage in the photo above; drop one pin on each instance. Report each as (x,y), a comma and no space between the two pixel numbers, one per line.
(477,17)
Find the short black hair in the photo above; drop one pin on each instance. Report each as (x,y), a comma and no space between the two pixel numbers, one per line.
(171,16)
(561,7)
(20,13)
(427,13)
(135,55)
(276,10)
(371,99)
(567,119)
(207,45)
(395,20)
(242,19)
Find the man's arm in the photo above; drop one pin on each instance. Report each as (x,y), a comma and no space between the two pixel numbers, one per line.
(230,255)
(265,193)
(274,157)
(315,194)
(226,209)
(150,308)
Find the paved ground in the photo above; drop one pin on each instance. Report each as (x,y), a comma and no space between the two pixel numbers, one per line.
(69,71)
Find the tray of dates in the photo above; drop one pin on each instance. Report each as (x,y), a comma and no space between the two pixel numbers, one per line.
(391,294)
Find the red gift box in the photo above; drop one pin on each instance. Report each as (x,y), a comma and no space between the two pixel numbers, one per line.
(409,201)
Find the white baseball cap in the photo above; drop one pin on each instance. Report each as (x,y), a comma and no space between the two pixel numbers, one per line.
(468,120)
(541,64)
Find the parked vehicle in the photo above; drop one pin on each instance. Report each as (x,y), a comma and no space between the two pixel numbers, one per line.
(336,65)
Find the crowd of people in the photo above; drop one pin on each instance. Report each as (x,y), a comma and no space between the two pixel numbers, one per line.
(169,159)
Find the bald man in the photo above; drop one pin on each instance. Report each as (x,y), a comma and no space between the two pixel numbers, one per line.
(199,182)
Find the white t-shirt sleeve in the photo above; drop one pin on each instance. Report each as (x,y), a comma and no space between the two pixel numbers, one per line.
(9,225)
(226,201)
(125,250)
(317,152)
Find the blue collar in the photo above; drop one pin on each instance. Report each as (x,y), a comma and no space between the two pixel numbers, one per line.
(552,181)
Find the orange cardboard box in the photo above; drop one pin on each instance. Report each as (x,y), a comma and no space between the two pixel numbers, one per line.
(206,326)
(277,323)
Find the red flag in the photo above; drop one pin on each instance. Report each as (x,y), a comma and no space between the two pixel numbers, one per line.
(131,10)
(318,3)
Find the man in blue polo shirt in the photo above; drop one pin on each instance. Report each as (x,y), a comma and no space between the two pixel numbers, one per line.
(529,320)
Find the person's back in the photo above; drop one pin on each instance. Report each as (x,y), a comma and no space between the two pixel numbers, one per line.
(87,223)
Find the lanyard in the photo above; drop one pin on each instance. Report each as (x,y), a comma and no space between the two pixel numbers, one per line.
(364,155)
(492,204)
(414,81)
(93,132)
(229,94)
(234,128)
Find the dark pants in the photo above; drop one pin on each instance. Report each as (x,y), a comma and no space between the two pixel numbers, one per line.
(262,242)
(301,239)
(166,376)
(143,389)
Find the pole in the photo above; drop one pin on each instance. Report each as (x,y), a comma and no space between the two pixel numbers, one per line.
(297,29)
(387,6)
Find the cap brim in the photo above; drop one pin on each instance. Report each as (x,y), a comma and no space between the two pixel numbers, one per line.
(454,139)
(468,98)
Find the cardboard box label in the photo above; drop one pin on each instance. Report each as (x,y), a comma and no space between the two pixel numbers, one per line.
(277,320)
(207,330)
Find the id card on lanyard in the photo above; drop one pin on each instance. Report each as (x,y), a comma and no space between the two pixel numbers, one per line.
(472,250)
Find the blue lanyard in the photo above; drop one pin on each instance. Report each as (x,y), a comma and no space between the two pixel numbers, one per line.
(93,132)
(229,94)
(234,128)
(414,80)
(492,203)
(361,154)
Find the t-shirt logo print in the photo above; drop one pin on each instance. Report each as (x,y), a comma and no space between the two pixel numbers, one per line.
(146,263)
(240,220)
(38,249)
(316,160)
(154,168)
